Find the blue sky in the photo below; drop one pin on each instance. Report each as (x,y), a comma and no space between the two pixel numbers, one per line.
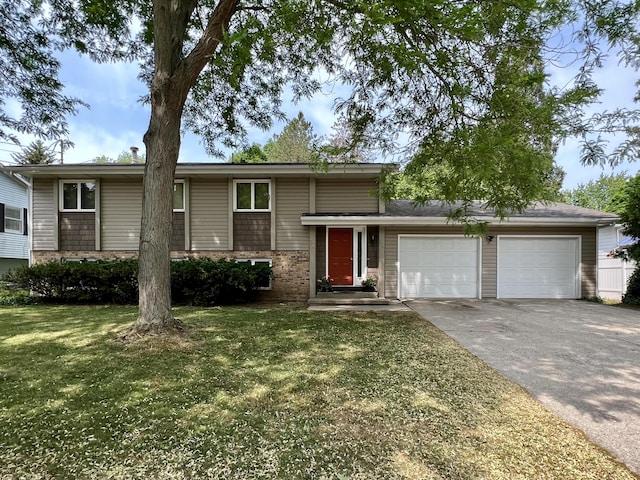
(116,120)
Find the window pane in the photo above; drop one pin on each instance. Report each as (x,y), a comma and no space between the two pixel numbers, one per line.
(13,219)
(178,196)
(262,196)
(70,196)
(359,254)
(88,196)
(243,196)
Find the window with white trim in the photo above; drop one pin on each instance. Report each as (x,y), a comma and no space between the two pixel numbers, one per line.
(13,219)
(77,196)
(252,195)
(178,196)
(259,261)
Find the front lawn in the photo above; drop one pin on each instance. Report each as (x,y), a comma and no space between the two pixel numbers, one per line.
(267,393)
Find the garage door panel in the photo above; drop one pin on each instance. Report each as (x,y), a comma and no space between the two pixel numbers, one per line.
(438,267)
(538,267)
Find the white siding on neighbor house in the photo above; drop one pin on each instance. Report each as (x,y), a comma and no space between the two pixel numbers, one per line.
(13,194)
(209,214)
(346,196)
(44,205)
(292,200)
(121,211)
(613,273)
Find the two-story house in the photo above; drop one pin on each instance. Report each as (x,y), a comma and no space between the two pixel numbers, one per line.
(14,229)
(309,224)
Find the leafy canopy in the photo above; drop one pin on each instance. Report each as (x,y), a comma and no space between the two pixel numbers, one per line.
(607,193)
(458,88)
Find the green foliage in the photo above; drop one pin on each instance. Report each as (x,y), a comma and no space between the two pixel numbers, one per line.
(632,294)
(205,282)
(630,215)
(607,193)
(201,282)
(251,154)
(124,157)
(296,143)
(36,153)
(11,296)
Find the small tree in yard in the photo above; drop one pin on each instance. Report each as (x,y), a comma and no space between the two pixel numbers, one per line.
(464,82)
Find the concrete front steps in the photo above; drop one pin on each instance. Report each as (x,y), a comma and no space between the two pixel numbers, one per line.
(346,297)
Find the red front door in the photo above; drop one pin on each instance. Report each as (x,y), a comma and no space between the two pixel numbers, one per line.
(340,259)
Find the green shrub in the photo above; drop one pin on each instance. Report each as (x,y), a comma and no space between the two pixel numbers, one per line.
(632,296)
(205,282)
(14,297)
(201,282)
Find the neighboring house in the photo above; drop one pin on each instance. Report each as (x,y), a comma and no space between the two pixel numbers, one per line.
(308,225)
(613,273)
(14,230)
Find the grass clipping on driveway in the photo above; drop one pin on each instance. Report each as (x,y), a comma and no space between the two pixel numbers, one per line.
(268,393)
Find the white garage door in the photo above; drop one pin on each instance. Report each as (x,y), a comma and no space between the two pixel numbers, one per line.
(437,267)
(531,267)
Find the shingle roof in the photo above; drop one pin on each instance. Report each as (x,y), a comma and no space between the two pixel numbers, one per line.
(407,208)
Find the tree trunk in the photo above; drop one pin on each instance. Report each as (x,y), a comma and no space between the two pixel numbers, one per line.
(162,141)
(173,77)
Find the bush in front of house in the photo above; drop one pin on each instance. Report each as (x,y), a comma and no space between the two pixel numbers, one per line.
(205,282)
(201,282)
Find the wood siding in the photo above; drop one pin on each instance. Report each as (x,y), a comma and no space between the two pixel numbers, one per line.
(252,231)
(372,247)
(209,214)
(489,253)
(346,196)
(121,212)
(178,231)
(292,200)
(45,205)
(77,231)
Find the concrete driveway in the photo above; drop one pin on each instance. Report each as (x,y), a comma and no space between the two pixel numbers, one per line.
(579,359)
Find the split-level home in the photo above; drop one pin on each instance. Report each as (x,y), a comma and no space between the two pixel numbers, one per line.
(14,226)
(309,224)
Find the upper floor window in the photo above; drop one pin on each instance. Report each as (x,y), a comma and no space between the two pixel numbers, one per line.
(13,219)
(78,196)
(178,196)
(252,195)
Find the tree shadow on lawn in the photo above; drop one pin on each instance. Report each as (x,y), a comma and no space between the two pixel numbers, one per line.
(269,393)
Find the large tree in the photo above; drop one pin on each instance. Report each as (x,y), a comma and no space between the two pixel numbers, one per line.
(463,83)
(607,193)
(295,144)
(36,153)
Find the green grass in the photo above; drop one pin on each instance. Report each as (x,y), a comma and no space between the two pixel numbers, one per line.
(267,393)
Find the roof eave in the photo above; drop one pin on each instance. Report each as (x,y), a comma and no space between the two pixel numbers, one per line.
(344,220)
(200,169)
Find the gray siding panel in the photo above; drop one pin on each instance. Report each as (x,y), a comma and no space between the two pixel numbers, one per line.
(489,253)
(77,231)
(44,226)
(121,212)
(251,231)
(292,200)
(209,214)
(346,196)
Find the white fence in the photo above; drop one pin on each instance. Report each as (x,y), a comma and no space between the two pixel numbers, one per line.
(613,276)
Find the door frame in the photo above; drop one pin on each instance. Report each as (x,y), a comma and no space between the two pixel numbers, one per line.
(358,265)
